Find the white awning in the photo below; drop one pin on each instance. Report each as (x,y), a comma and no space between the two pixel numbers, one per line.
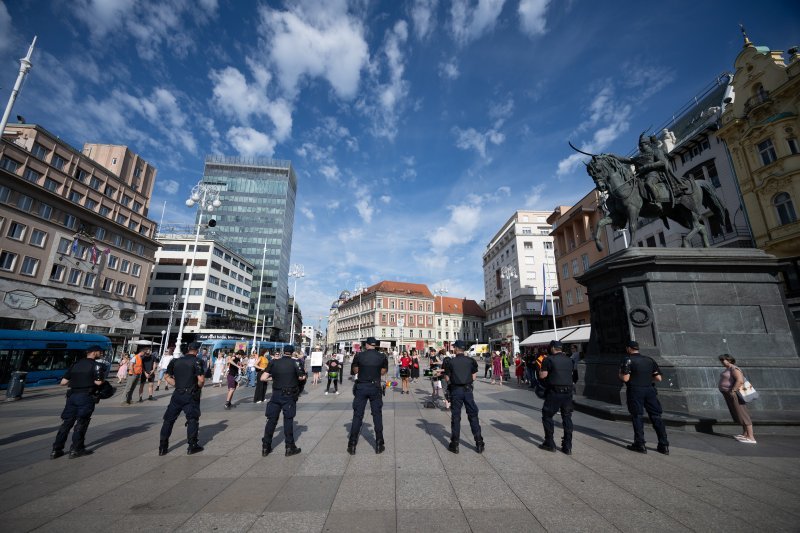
(565,334)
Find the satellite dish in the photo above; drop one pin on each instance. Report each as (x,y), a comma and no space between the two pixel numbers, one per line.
(102,311)
(22,300)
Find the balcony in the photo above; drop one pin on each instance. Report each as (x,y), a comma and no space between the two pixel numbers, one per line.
(762,97)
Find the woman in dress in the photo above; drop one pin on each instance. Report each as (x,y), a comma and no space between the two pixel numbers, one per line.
(414,365)
(235,367)
(730,381)
(405,372)
(122,373)
(519,370)
(497,369)
(219,368)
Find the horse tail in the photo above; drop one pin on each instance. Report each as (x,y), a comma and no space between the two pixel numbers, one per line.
(719,214)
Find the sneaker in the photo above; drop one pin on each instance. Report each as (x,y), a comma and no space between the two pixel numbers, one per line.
(337,392)
(326,393)
(227,405)
(259,401)
(747,441)
(158,387)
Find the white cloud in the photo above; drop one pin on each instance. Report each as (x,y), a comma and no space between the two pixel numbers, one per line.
(320,40)
(449,70)
(169,187)
(307,212)
(469,23)
(163,111)
(532,16)
(250,142)
(6,29)
(423,15)
(363,203)
(331,173)
(473,139)
(465,219)
(386,199)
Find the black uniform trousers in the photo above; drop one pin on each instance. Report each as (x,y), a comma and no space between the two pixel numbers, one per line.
(462,396)
(557,399)
(183,400)
(77,412)
(261,388)
(364,392)
(641,399)
(285,402)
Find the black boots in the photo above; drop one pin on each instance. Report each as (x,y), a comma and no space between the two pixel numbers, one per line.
(453,447)
(351,446)
(80,452)
(663,449)
(380,446)
(193,449)
(163,448)
(55,454)
(638,448)
(292,450)
(479,446)
(266,450)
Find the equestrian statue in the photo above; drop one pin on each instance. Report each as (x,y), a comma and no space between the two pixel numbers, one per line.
(645,186)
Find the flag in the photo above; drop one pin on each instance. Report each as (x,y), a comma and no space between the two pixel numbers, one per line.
(75,246)
(94,255)
(543,311)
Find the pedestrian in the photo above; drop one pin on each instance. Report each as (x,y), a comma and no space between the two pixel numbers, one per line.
(261,386)
(519,370)
(163,363)
(286,377)
(370,365)
(639,372)
(81,379)
(487,365)
(506,363)
(396,363)
(301,364)
(251,369)
(730,381)
(414,365)
(340,358)
(576,358)
(122,371)
(186,376)
(134,376)
(557,370)
(235,367)
(435,364)
(530,368)
(497,368)
(219,368)
(316,366)
(405,372)
(460,373)
(334,369)
(148,375)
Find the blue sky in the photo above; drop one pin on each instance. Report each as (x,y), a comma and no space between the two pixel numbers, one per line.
(416,127)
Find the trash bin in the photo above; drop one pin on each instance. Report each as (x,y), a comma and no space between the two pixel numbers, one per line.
(16,386)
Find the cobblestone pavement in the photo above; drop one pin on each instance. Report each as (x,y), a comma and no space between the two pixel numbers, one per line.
(708,483)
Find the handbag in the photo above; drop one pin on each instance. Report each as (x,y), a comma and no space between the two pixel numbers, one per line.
(747,393)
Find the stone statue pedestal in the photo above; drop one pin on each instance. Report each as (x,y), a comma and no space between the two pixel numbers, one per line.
(685,307)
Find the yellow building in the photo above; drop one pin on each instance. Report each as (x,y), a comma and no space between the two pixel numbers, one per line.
(760,126)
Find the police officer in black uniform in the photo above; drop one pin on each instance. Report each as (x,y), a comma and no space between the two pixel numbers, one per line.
(187,376)
(286,378)
(557,370)
(460,372)
(370,365)
(82,377)
(639,372)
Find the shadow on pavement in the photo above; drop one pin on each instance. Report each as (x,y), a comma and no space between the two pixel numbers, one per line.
(518,431)
(28,434)
(365,433)
(208,433)
(118,434)
(525,405)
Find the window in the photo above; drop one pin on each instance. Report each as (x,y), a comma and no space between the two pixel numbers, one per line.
(137,207)
(548,245)
(100,233)
(70,221)
(575,270)
(793,146)
(81,175)
(110,191)
(661,239)
(121,288)
(131,291)
(58,161)
(767,152)
(31,175)
(29,266)
(569,297)
(64,245)
(713,175)
(9,164)
(74,277)
(121,219)
(579,294)
(90,204)
(585,260)
(38,238)
(784,208)
(126,200)
(113,261)
(7,260)
(137,270)
(651,241)
(95,183)
(133,225)
(527,245)
(45,211)
(125,266)
(104,211)
(75,197)
(4,192)
(38,151)
(108,285)
(16,231)
(565,270)
(25,203)
(89,280)
(57,272)
(51,185)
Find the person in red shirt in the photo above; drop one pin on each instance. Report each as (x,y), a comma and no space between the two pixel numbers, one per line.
(405,372)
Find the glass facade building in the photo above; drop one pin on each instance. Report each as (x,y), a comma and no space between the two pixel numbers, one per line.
(258,200)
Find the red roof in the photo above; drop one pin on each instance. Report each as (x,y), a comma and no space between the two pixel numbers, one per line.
(458,306)
(401,288)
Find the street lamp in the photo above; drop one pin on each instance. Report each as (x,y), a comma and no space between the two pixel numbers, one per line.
(360,288)
(206,197)
(441,291)
(296,271)
(163,333)
(260,289)
(509,273)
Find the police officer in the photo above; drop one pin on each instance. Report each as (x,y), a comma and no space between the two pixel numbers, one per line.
(557,370)
(639,372)
(286,378)
(369,365)
(186,375)
(460,372)
(82,378)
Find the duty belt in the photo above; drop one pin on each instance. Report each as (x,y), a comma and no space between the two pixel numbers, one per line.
(461,386)
(362,382)
(562,389)
(187,389)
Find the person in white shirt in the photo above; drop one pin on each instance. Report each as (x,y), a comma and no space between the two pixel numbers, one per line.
(251,370)
(340,358)
(162,367)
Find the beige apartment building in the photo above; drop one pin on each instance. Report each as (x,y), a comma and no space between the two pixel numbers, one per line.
(76,246)
(575,252)
(459,319)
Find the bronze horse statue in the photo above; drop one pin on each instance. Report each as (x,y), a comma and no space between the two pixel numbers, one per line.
(625,201)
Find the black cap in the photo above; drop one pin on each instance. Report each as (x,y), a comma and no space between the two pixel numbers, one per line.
(94,348)
(371,340)
(193,346)
(555,344)
(633,344)
(460,344)
(289,348)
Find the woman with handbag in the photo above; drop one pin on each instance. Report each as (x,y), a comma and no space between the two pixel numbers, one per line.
(414,365)
(405,372)
(730,381)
